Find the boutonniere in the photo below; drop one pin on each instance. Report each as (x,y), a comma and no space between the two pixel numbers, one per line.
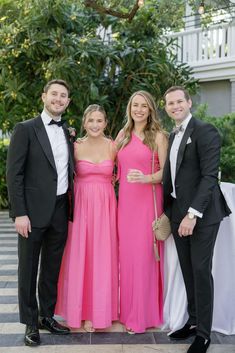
(72,133)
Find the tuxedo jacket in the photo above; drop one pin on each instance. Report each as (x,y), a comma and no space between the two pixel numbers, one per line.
(196,180)
(31,173)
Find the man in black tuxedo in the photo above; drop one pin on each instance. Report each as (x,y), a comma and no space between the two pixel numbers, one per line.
(195,205)
(39,179)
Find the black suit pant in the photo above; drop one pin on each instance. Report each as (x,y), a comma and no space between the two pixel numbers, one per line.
(195,254)
(47,245)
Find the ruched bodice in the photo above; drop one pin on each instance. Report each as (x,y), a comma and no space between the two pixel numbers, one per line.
(87,171)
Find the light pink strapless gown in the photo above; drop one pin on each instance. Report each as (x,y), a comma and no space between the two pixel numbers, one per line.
(88,281)
(141,277)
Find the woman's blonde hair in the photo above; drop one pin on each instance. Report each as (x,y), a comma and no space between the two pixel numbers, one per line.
(90,109)
(152,126)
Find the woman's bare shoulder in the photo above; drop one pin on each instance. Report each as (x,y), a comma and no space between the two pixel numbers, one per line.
(79,143)
(161,137)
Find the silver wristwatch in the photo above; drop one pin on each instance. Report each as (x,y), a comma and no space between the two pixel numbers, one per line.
(191,215)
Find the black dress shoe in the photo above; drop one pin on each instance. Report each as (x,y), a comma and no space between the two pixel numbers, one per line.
(199,345)
(183,333)
(32,337)
(51,325)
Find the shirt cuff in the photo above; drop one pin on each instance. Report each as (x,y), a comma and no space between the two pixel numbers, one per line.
(195,212)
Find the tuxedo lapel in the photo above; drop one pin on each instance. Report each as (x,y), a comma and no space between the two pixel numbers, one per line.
(67,136)
(171,139)
(166,171)
(44,140)
(70,146)
(183,144)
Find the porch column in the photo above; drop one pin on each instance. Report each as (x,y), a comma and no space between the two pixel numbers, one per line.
(232,95)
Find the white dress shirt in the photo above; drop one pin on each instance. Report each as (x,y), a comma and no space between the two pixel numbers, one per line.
(173,159)
(60,152)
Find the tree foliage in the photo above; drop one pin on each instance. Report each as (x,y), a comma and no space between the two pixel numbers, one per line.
(65,39)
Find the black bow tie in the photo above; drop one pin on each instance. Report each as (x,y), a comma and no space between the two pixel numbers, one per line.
(58,123)
(178,129)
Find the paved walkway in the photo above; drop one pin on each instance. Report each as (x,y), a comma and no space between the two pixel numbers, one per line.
(113,340)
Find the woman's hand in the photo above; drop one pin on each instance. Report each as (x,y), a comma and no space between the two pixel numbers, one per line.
(136,176)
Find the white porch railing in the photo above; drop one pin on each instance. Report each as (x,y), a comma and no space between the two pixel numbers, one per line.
(201,46)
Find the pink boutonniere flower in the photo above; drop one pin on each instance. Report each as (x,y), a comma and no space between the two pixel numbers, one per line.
(72,133)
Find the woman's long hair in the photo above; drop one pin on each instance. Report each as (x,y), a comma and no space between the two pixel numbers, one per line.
(152,126)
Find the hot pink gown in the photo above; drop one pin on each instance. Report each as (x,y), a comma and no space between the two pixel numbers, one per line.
(141,277)
(88,281)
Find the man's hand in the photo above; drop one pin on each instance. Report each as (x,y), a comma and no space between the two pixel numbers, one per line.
(23,226)
(186,226)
